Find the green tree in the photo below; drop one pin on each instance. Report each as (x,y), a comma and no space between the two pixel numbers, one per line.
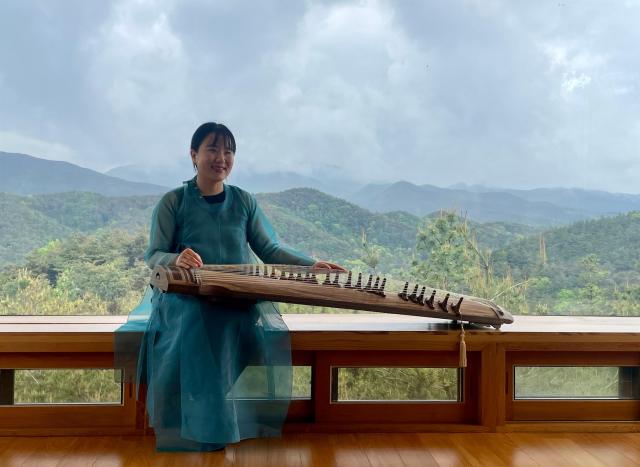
(442,253)
(449,257)
(370,253)
(591,277)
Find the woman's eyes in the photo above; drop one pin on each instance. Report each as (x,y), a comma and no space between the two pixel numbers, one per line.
(215,150)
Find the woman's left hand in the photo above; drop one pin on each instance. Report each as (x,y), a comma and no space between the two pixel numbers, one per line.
(328,265)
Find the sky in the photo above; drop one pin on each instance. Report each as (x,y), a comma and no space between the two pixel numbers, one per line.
(515,93)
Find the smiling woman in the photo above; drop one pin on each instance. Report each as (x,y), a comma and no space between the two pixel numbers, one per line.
(194,352)
(213,148)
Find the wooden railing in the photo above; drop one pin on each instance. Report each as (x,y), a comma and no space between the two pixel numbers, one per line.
(326,342)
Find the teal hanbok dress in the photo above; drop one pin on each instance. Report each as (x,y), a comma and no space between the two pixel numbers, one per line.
(215,373)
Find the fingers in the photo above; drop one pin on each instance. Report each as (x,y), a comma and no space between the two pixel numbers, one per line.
(197,257)
(189,259)
(187,262)
(338,267)
(328,265)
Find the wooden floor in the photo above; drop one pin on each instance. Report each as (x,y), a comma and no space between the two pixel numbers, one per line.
(349,450)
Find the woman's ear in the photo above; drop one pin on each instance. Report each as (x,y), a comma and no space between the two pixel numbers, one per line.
(193,159)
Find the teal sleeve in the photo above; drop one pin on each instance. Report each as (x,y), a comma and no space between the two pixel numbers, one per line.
(264,241)
(162,234)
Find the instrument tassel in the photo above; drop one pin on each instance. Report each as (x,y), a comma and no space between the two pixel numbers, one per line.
(463,348)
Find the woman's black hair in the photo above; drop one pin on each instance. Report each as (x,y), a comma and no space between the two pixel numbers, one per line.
(218,129)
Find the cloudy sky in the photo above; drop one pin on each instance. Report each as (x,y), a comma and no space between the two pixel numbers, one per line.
(503,93)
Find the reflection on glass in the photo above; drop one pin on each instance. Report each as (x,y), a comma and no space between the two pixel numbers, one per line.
(570,382)
(302,382)
(66,386)
(256,382)
(508,170)
(396,384)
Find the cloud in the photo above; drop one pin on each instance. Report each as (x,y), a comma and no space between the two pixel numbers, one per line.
(505,93)
(139,73)
(572,82)
(348,77)
(22,144)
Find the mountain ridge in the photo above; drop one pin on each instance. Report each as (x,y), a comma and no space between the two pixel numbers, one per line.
(24,174)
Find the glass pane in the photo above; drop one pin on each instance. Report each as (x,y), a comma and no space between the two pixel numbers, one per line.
(396,384)
(564,382)
(66,386)
(302,382)
(256,382)
(508,171)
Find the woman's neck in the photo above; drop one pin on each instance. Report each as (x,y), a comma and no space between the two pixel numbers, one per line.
(209,188)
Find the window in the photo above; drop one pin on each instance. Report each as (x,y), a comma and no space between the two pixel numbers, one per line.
(397,384)
(577,382)
(485,148)
(59,386)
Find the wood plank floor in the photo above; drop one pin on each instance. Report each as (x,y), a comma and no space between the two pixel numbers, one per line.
(349,450)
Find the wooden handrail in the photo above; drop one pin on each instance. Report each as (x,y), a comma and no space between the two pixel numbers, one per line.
(338,331)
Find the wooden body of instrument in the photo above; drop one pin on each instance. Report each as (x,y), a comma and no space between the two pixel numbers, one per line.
(299,284)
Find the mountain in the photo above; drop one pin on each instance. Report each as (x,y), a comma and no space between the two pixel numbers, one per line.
(593,201)
(479,206)
(166,175)
(326,179)
(23,228)
(273,182)
(312,221)
(324,217)
(344,219)
(29,222)
(615,242)
(256,183)
(23,174)
(320,224)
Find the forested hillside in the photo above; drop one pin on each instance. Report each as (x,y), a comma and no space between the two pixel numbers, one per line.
(81,253)
(614,240)
(587,260)
(28,222)
(307,219)
(330,227)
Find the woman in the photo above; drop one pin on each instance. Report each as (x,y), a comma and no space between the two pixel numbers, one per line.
(215,373)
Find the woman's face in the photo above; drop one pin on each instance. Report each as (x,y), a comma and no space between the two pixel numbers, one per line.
(213,160)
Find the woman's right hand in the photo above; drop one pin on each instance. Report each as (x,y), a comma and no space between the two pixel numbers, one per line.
(189,259)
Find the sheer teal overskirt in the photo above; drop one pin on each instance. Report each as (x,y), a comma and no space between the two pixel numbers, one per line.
(215,373)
